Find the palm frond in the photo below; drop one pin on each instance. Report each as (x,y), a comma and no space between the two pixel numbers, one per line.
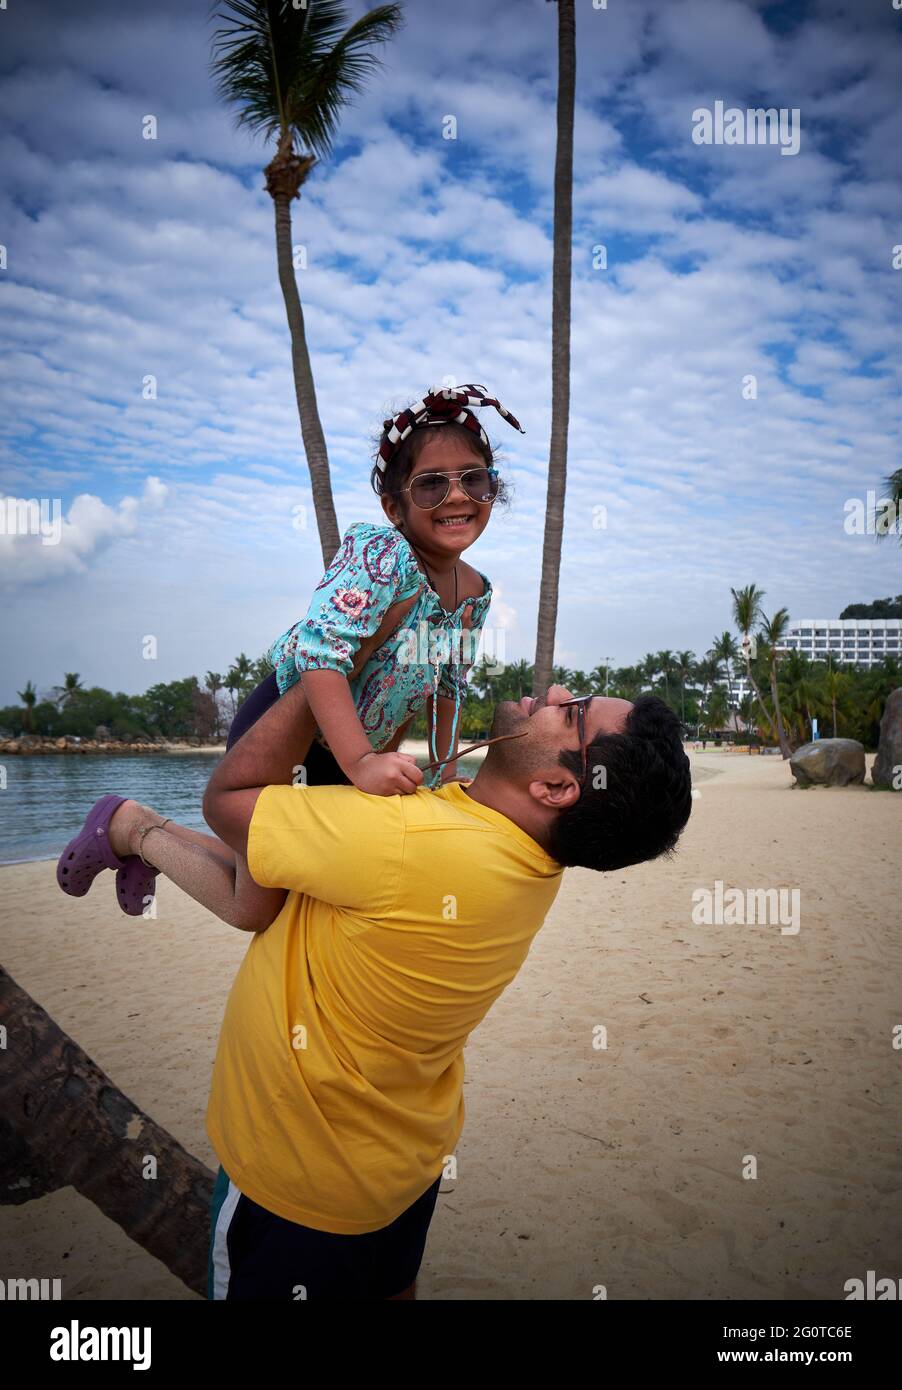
(289,70)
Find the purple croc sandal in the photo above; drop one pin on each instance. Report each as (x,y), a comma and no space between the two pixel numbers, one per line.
(136,884)
(89,853)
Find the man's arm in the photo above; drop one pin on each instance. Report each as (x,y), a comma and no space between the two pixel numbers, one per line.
(266,754)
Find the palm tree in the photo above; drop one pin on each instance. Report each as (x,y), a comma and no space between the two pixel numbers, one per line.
(726,650)
(599,679)
(72,685)
(520,677)
(803,697)
(232,684)
(560,347)
(649,668)
(29,698)
(683,667)
(707,673)
(289,69)
(213,683)
(716,709)
(243,668)
(747,715)
(746,613)
(773,630)
(262,667)
(835,683)
(666,664)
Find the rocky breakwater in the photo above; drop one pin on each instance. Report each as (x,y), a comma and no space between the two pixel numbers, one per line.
(31,744)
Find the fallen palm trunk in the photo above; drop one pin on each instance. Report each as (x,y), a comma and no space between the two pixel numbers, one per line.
(64,1124)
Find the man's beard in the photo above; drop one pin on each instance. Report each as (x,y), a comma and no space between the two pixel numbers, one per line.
(511,755)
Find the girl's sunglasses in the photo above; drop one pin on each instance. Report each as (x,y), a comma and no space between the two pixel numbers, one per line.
(430,490)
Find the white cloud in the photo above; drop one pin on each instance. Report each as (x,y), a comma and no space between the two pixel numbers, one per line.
(38,543)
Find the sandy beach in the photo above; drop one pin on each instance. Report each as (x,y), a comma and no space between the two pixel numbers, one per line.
(579,1166)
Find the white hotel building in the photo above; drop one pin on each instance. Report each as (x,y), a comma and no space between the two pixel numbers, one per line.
(862,642)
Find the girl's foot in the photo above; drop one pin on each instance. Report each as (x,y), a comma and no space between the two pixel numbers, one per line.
(135,880)
(127,822)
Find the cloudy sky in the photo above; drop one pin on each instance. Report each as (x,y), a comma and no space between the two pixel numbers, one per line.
(427,259)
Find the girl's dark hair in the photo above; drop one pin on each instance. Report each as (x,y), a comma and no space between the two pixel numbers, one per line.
(644,800)
(399,469)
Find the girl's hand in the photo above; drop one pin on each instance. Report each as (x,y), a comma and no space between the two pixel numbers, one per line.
(386,774)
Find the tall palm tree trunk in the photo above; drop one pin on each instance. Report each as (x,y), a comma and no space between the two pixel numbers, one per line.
(768,721)
(781,732)
(64,1124)
(283,176)
(560,349)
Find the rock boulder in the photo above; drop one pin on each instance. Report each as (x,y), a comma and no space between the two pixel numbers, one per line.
(828,762)
(887,769)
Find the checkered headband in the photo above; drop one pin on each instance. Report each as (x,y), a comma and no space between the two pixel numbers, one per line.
(438,407)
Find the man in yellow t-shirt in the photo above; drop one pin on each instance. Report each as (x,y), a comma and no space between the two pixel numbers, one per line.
(337,1091)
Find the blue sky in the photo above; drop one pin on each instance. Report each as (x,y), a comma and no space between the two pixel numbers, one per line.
(431,259)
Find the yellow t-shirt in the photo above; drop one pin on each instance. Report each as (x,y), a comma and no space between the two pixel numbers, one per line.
(337,1089)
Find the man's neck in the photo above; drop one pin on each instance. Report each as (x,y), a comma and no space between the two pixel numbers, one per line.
(496,793)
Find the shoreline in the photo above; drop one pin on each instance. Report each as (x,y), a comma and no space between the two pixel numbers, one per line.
(51,746)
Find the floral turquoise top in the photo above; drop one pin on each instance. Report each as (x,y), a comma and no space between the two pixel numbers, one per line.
(431,653)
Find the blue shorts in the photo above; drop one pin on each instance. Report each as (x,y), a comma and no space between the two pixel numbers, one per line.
(257,1255)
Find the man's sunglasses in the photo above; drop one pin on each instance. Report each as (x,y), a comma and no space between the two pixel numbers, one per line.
(581,703)
(430,490)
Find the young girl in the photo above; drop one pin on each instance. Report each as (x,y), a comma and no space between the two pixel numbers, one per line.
(393,590)
(388,632)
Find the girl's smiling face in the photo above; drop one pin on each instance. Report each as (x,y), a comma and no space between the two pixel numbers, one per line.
(457,522)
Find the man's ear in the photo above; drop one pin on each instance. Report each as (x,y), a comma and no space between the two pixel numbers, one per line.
(556,793)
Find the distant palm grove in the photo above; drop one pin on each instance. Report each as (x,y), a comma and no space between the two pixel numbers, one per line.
(787,691)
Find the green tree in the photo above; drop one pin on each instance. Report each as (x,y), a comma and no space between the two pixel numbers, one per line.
(835,687)
(683,667)
(727,652)
(171,707)
(746,613)
(290,70)
(773,631)
(232,684)
(29,698)
(213,683)
(262,668)
(716,709)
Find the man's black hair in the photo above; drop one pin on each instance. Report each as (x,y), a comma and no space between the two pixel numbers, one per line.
(636,808)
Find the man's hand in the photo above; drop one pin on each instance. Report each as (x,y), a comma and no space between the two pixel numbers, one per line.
(386,774)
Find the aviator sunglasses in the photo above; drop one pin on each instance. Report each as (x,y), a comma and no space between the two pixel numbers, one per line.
(430,490)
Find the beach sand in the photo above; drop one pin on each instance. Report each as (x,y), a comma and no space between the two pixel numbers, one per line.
(578,1166)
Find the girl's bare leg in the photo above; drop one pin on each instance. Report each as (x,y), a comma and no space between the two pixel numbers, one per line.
(202,866)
